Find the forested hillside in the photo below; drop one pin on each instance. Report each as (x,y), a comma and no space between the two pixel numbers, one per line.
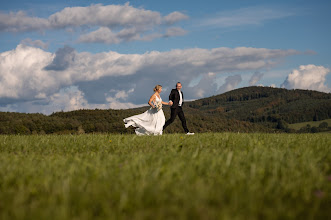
(271,107)
(250,109)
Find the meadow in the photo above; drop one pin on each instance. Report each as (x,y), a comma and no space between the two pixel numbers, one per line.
(205,176)
(297,126)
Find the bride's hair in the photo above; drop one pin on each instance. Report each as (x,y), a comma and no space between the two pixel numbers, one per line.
(157,87)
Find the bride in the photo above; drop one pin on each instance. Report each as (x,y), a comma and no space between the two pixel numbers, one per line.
(151,121)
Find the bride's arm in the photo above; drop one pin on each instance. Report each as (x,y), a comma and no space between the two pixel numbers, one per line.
(165,103)
(152,99)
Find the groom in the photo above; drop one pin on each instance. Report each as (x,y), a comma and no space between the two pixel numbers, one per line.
(176,98)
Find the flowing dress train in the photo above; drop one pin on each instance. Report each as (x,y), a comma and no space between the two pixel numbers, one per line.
(148,123)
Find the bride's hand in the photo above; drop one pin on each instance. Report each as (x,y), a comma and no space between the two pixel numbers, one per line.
(170,103)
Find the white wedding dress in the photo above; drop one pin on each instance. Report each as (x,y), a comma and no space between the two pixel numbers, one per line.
(148,123)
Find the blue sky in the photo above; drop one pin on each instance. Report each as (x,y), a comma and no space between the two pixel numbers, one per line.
(67,55)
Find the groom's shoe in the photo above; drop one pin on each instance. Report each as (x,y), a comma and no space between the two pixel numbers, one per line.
(189,133)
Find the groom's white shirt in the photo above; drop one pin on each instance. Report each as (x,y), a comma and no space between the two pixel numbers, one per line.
(180,98)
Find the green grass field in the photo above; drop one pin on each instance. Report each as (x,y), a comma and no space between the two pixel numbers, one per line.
(297,126)
(205,176)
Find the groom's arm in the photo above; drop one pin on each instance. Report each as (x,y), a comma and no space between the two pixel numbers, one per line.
(171,96)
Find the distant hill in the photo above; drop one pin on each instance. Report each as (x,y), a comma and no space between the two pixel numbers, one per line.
(250,109)
(260,104)
(270,107)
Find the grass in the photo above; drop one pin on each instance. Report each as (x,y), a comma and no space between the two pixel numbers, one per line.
(205,176)
(297,126)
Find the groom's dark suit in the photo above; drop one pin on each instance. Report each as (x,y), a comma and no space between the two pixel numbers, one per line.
(176,109)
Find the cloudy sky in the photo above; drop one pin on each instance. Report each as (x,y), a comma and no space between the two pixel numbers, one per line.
(75,54)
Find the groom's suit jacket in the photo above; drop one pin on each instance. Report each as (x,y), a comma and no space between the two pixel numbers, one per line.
(174,97)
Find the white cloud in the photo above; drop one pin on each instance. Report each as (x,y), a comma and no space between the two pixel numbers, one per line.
(23,75)
(71,98)
(230,83)
(64,57)
(206,86)
(115,103)
(111,16)
(102,35)
(107,36)
(17,22)
(34,43)
(307,77)
(174,17)
(257,76)
(67,99)
(31,74)
(114,23)
(121,94)
(107,16)
(175,31)
(245,16)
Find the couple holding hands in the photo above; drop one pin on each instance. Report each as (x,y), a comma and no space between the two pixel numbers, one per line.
(152,121)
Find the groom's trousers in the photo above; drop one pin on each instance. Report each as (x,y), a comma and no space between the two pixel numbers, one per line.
(174,112)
